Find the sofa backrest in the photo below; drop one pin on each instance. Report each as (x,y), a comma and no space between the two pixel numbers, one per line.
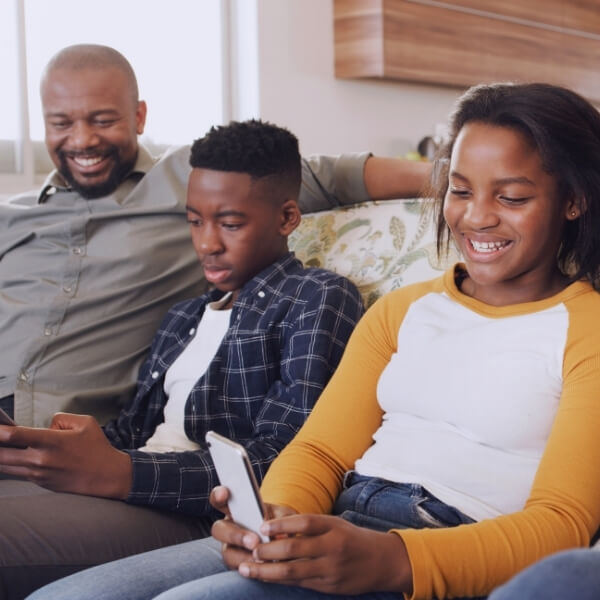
(380,246)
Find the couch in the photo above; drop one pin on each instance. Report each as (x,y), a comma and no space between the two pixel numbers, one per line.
(380,246)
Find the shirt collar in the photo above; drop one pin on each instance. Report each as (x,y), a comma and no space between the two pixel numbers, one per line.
(267,281)
(55,181)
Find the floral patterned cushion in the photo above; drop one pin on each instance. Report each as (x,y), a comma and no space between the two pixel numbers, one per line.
(380,246)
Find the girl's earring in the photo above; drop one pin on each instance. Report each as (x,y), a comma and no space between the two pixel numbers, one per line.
(573,213)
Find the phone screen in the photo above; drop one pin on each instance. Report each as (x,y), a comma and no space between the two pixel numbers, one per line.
(5,419)
(235,473)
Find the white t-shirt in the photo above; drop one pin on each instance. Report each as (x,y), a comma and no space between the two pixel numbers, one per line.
(181,376)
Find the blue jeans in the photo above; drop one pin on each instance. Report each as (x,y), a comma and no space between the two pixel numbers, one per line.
(195,570)
(569,574)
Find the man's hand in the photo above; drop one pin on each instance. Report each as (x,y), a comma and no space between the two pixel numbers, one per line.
(73,455)
(328,554)
(238,543)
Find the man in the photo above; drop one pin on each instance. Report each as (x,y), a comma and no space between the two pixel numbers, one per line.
(248,360)
(90,265)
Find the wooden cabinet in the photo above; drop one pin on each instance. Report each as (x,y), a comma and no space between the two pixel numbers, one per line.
(464,42)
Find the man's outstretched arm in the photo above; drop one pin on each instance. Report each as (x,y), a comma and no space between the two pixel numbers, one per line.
(330,181)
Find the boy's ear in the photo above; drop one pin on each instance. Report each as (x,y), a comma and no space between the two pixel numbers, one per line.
(290,217)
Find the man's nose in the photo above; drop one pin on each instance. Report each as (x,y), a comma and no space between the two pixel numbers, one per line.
(82,135)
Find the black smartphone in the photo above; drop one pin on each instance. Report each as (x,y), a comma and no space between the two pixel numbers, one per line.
(5,419)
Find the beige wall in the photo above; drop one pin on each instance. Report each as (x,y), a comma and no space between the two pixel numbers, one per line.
(297,88)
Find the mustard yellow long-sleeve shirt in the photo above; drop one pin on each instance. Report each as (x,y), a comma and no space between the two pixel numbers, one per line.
(520,453)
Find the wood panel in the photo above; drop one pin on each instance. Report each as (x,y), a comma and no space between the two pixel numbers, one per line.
(578,15)
(434,42)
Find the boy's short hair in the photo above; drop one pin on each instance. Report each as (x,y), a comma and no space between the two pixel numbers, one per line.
(258,148)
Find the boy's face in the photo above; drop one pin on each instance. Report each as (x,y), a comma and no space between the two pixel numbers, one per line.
(237,228)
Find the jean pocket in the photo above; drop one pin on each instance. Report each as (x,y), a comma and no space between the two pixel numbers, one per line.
(428,519)
(436,513)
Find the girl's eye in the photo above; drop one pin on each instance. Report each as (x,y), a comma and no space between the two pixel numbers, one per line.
(514,200)
(457,192)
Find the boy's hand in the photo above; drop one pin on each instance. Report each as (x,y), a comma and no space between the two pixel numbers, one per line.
(330,555)
(73,455)
(238,543)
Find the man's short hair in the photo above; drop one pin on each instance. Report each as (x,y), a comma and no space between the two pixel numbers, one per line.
(258,148)
(92,56)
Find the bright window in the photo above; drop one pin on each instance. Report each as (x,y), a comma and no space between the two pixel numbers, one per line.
(174,47)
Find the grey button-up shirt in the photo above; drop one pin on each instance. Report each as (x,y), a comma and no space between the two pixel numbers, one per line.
(85,283)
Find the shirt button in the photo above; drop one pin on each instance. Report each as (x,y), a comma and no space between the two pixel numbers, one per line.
(47,331)
(77,250)
(23,376)
(192,331)
(155,375)
(261,294)
(67,289)
(51,190)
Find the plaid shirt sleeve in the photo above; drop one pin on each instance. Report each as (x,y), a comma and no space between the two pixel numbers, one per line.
(312,332)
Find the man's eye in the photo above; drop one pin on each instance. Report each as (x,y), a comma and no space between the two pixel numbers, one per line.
(59,124)
(104,122)
(231,226)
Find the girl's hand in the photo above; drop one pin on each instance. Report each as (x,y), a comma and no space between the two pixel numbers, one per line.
(238,543)
(330,555)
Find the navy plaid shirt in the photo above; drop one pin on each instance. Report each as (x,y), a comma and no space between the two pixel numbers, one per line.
(288,330)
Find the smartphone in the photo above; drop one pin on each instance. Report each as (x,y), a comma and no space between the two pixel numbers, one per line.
(235,473)
(5,419)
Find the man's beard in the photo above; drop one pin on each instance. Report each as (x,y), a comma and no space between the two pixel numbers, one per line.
(97,190)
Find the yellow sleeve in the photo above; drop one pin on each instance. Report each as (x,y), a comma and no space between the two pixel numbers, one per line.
(307,475)
(563,509)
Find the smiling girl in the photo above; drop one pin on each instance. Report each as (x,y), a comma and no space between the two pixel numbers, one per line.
(457,441)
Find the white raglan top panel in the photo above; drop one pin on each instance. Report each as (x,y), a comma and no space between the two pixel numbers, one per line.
(424,438)
(181,376)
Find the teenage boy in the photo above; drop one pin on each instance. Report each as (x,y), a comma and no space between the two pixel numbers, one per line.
(248,360)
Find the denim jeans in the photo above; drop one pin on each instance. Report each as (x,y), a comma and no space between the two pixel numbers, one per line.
(195,570)
(570,574)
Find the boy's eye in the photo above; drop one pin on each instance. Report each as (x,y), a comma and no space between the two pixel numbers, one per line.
(194,221)
(231,226)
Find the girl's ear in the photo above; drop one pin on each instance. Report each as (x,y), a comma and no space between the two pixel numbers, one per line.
(290,217)
(575,208)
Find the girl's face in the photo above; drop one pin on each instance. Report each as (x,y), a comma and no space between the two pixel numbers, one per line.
(505,215)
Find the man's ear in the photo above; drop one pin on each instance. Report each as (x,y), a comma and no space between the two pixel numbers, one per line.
(290,217)
(575,208)
(140,117)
